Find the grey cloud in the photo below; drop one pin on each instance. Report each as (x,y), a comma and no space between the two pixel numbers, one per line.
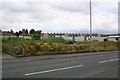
(12,11)
(15,7)
(82,7)
(56,17)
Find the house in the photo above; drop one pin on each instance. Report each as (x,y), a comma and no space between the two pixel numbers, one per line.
(52,35)
(114,38)
(68,36)
(27,36)
(80,37)
(5,34)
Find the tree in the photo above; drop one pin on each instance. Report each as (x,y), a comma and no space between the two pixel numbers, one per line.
(20,32)
(26,31)
(38,32)
(11,31)
(17,34)
(32,31)
(37,35)
(23,30)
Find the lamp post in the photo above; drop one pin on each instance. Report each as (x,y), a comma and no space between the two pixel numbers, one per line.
(90,29)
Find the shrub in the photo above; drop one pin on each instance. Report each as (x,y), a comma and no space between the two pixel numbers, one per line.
(31,50)
(18,50)
(44,48)
(69,42)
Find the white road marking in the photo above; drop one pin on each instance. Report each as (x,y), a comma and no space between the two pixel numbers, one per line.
(28,74)
(108,60)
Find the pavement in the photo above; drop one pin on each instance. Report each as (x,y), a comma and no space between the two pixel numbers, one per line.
(85,65)
(8,58)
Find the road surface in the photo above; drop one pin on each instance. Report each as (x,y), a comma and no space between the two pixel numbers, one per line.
(94,66)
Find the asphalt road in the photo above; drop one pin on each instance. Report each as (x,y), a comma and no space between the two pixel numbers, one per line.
(95,66)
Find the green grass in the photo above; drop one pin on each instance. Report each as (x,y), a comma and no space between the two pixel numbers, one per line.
(84,42)
(99,42)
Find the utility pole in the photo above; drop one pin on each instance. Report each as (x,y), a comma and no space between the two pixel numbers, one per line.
(90,29)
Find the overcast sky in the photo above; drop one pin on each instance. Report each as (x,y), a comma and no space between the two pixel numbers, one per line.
(60,16)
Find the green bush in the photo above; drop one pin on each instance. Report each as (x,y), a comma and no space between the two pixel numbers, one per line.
(69,42)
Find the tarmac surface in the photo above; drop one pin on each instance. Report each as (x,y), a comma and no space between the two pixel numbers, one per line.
(87,65)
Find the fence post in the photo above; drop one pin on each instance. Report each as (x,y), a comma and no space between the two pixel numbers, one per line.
(73,38)
(24,50)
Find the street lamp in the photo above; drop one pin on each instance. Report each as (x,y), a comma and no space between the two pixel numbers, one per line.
(90,29)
